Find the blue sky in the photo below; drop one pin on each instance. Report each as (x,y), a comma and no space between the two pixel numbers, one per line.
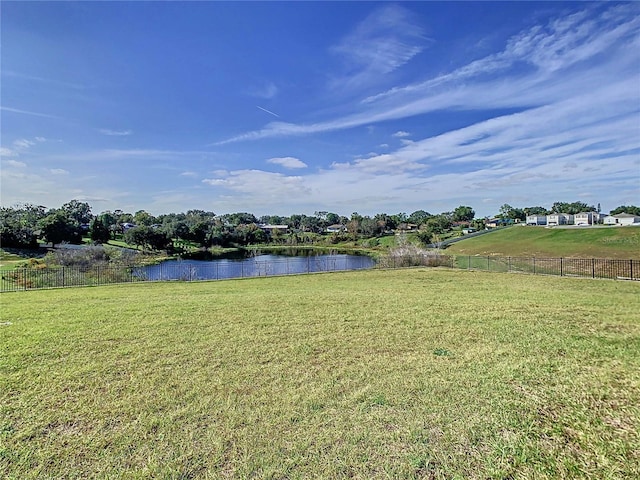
(283,108)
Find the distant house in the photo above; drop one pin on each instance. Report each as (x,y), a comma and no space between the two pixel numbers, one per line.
(274,228)
(621,219)
(127,226)
(559,219)
(498,222)
(586,218)
(536,220)
(336,228)
(407,227)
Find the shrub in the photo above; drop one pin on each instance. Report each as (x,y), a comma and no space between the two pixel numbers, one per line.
(409,255)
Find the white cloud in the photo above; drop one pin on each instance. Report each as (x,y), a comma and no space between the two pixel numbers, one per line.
(47,79)
(58,171)
(19,146)
(27,112)
(23,144)
(188,174)
(258,187)
(400,134)
(7,152)
(266,91)
(288,162)
(115,133)
(539,66)
(15,163)
(387,39)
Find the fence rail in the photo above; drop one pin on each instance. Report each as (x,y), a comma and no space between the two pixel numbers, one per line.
(577,267)
(31,278)
(39,277)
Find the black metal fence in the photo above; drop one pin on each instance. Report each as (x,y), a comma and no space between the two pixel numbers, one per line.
(39,277)
(576,267)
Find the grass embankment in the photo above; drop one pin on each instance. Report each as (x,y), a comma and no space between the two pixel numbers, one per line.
(12,259)
(587,242)
(9,260)
(420,373)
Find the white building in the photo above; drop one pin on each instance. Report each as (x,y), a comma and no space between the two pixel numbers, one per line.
(622,219)
(536,220)
(586,218)
(560,219)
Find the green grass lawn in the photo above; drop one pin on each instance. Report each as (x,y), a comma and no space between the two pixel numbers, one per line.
(13,259)
(420,373)
(9,260)
(522,241)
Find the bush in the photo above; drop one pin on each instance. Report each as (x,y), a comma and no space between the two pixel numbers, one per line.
(409,255)
(83,258)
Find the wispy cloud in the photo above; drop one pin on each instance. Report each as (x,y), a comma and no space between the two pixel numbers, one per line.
(288,162)
(259,185)
(14,163)
(27,112)
(540,66)
(266,91)
(387,39)
(58,171)
(7,152)
(115,133)
(19,146)
(35,78)
(23,143)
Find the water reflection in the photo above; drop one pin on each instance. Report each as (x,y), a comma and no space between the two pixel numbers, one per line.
(256,266)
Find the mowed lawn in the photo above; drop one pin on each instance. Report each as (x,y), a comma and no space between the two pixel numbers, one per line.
(418,373)
(579,242)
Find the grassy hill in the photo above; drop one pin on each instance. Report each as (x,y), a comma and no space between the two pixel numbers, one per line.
(522,241)
(419,373)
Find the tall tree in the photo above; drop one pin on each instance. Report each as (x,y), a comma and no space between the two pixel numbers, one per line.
(418,217)
(143,218)
(98,231)
(631,209)
(507,211)
(571,208)
(78,211)
(535,211)
(463,214)
(58,227)
(19,224)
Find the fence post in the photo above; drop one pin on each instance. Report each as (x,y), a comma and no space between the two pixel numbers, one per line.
(534,265)
(63,270)
(488,264)
(469,263)
(593,268)
(560,266)
(509,268)
(631,269)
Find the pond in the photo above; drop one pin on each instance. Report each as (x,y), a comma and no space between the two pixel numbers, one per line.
(257,266)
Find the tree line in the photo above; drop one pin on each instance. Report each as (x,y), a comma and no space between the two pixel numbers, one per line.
(23,225)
